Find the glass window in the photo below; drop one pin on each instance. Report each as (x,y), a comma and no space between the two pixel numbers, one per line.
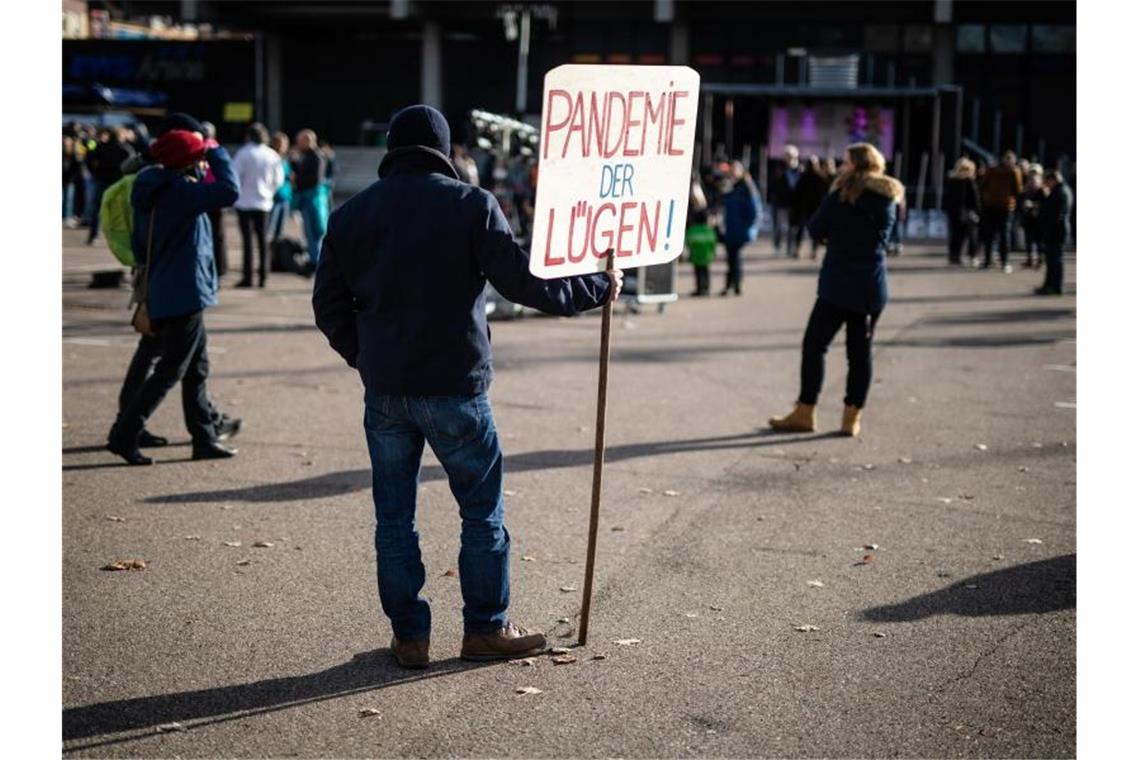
(971,38)
(918,38)
(1054,39)
(1008,38)
(881,38)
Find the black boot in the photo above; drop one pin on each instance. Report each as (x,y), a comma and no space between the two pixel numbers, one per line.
(227,427)
(127,448)
(148,440)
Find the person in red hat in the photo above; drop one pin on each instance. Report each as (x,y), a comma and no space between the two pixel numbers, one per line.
(172,240)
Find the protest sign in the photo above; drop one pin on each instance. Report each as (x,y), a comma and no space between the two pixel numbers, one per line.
(614,170)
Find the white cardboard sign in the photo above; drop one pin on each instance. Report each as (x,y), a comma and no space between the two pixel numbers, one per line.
(614,168)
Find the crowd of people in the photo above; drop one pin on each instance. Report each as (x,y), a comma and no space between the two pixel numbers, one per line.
(279,179)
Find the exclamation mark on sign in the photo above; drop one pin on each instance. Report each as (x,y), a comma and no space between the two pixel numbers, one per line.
(669,225)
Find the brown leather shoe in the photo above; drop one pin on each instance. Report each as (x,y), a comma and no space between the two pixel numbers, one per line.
(411,654)
(507,643)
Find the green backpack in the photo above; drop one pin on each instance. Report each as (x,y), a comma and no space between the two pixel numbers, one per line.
(118,220)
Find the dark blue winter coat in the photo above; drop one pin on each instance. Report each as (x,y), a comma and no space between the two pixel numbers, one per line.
(182,276)
(399,286)
(854,271)
(740,210)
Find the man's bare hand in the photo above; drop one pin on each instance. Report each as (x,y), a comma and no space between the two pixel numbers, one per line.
(615,282)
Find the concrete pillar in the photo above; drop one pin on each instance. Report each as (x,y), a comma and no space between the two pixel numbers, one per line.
(272,67)
(942,53)
(431,66)
(679,43)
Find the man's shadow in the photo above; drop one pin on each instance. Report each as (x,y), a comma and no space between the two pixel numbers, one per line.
(366,671)
(1036,587)
(349,481)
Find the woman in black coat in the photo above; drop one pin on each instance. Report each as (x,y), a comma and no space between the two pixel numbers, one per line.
(963,210)
(856,220)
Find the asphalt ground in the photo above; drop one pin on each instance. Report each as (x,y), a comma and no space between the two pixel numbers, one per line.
(718,538)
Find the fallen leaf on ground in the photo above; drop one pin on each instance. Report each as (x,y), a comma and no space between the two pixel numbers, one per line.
(617,529)
(559,650)
(690,614)
(564,659)
(981,446)
(367,711)
(672,493)
(599,656)
(115,518)
(1033,541)
(715,608)
(867,559)
(868,467)
(528,690)
(645,490)
(870,547)
(244,562)
(945,499)
(967,497)
(510,493)
(193,538)
(232,543)
(806,628)
(263,544)
(1023,469)
(880,635)
(527,558)
(627,642)
(526,662)
(563,620)
(126,564)
(815,584)
(167,727)
(905,460)
(999,556)
(449,573)
(568,589)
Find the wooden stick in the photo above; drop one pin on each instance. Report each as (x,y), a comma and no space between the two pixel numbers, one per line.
(599,458)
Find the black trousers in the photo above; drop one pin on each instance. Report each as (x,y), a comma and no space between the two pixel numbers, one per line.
(824,322)
(252,224)
(1054,265)
(146,354)
(219,233)
(182,358)
(732,280)
(702,275)
(996,224)
(962,232)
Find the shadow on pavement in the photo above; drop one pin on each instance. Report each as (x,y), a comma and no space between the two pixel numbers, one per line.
(366,671)
(349,481)
(1045,586)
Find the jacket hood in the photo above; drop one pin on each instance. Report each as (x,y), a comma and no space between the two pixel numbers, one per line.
(418,139)
(888,187)
(150,182)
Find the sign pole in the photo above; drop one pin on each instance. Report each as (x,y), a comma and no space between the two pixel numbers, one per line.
(599,457)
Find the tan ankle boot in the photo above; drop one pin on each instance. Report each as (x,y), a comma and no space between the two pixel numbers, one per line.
(851,417)
(801,420)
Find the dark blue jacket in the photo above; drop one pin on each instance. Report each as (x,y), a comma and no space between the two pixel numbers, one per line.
(1054,217)
(182,276)
(854,271)
(739,216)
(399,286)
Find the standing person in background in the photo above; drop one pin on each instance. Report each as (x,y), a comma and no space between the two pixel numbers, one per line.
(72,175)
(283,198)
(217,220)
(106,165)
(172,241)
(465,164)
(806,199)
(330,170)
(780,190)
(259,173)
(855,220)
(740,212)
(700,239)
(963,211)
(1056,210)
(309,193)
(1000,186)
(399,295)
(1029,203)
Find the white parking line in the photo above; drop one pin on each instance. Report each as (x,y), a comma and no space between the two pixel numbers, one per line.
(1061,367)
(1065,404)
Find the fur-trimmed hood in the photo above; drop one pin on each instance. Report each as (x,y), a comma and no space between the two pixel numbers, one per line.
(888,187)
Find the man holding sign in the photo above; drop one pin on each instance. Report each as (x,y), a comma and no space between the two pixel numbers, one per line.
(399,294)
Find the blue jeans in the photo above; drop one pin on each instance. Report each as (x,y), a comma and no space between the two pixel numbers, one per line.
(314,218)
(461,432)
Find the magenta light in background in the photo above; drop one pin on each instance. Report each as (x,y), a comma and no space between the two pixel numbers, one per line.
(807,127)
